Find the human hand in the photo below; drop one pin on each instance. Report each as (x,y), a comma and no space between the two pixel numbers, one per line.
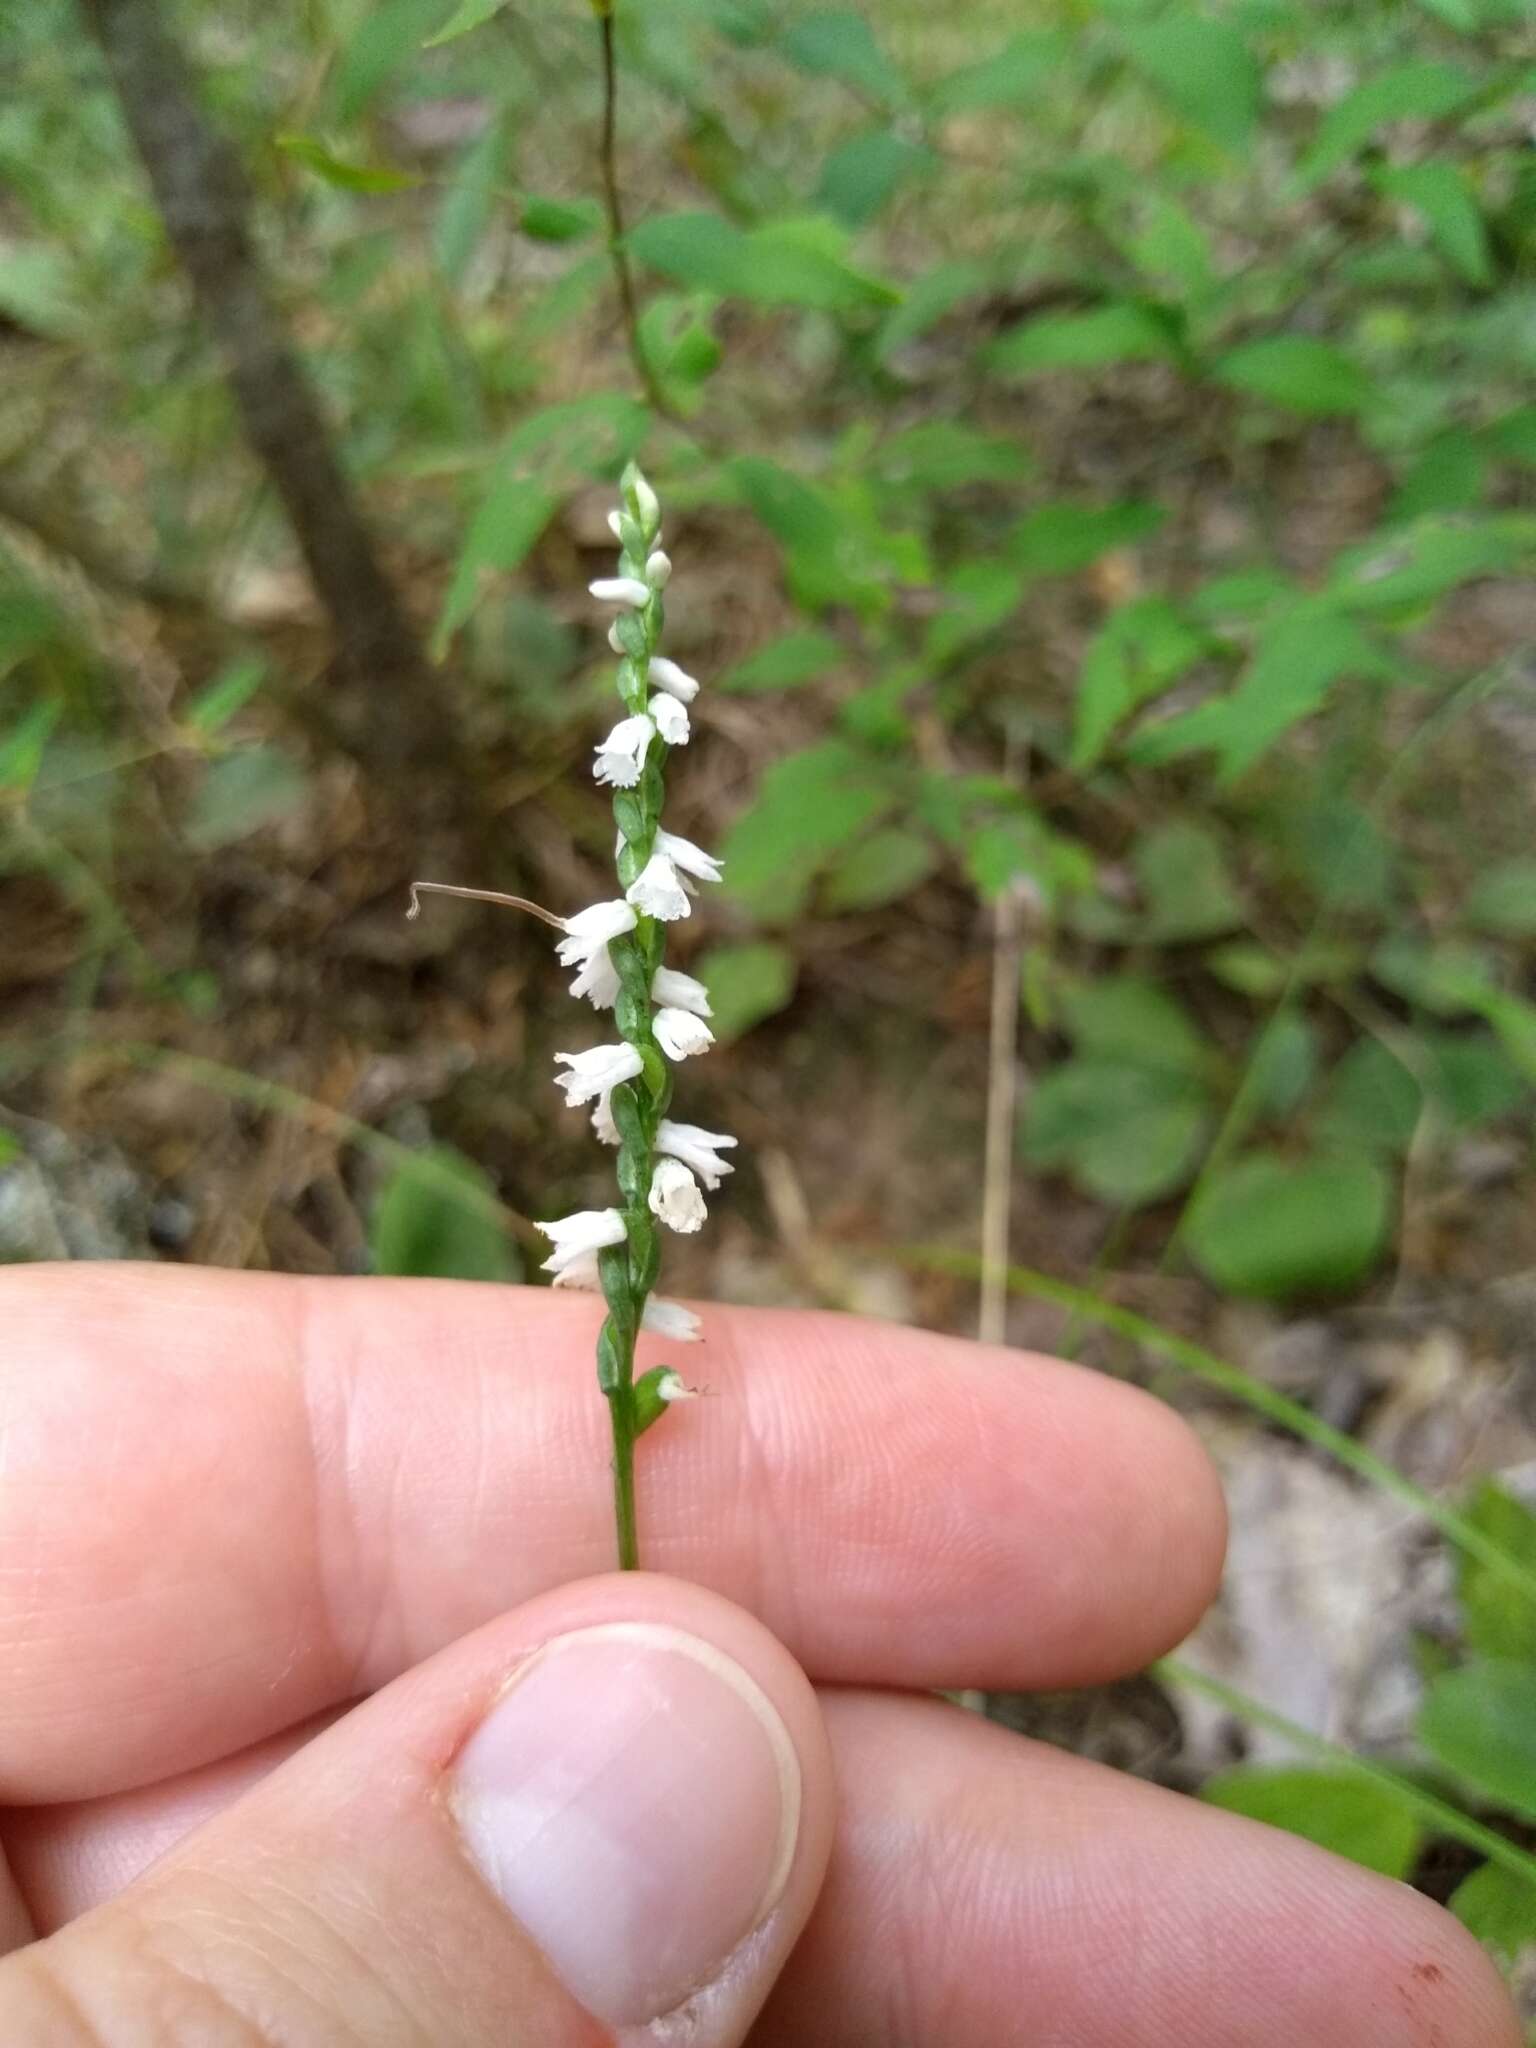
(231,1505)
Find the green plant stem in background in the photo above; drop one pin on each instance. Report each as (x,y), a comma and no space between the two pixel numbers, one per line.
(613,206)
(1241,1386)
(1437,1814)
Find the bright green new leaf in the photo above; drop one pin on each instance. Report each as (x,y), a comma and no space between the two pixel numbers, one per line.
(467,15)
(435,1217)
(880,869)
(746,984)
(22,745)
(1498,1906)
(1125,332)
(1273,1228)
(560,220)
(1140,651)
(1009,78)
(1503,900)
(839,43)
(784,664)
(1420,563)
(1347,1815)
(1441,194)
(1499,1621)
(1480,1722)
(1421,91)
(1060,538)
(1297,371)
(242,793)
(1185,883)
(218,701)
(306,150)
(1205,71)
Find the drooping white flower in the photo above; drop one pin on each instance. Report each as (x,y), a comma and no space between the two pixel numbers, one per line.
(658,569)
(675,1196)
(657,891)
(596,1071)
(585,947)
(581,1236)
(680,1034)
(581,1272)
(604,1129)
(598,979)
(693,860)
(622,755)
(628,590)
(671,1320)
(696,1148)
(673,1387)
(671,986)
(677,682)
(671,719)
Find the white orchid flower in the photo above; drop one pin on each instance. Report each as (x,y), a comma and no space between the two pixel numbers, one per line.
(675,1196)
(698,1149)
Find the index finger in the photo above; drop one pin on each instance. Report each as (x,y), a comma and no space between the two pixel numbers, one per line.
(229,1501)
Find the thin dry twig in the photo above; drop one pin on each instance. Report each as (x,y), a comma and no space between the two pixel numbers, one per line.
(1002,1107)
(418,889)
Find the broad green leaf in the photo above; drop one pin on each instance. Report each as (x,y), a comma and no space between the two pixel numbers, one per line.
(1273,1228)
(1441,195)
(1513,435)
(1184,883)
(435,1217)
(1020,847)
(1248,967)
(784,664)
(942,455)
(1347,1815)
(1498,1618)
(1123,1017)
(1498,1906)
(1140,651)
(1281,1066)
(1171,247)
(1503,900)
(1421,91)
(1450,474)
(1124,332)
(802,263)
(335,170)
(1417,564)
(218,701)
(1371,1102)
(1204,70)
(560,220)
(931,296)
(808,806)
(702,249)
(680,344)
(1060,538)
(513,513)
(468,203)
(746,983)
(1480,1722)
(1011,77)
(880,869)
(388,38)
(1127,1133)
(1297,371)
(838,42)
(978,598)
(39,290)
(1472,1078)
(244,793)
(1341,853)
(863,173)
(467,15)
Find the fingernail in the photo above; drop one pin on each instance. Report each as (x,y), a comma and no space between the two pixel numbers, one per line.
(633,1798)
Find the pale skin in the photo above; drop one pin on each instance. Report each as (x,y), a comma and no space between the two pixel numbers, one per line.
(234,1506)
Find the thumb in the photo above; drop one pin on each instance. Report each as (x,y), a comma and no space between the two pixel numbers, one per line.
(609,1808)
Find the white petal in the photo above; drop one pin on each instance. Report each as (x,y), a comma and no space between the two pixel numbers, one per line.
(595,1071)
(622,755)
(614,525)
(671,1320)
(621,590)
(604,1129)
(581,1272)
(598,980)
(677,682)
(657,891)
(671,719)
(698,1149)
(614,641)
(693,860)
(581,1236)
(658,569)
(675,1196)
(680,991)
(673,1387)
(596,926)
(679,1034)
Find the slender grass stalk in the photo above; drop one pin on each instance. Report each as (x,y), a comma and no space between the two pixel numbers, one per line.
(613,207)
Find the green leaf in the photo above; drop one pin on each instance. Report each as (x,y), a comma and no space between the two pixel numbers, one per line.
(1271,1228)
(22,745)
(1185,883)
(1426,91)
(931,296)
(435,1216)
(467,15)
(879,870)
(467,204)
(943,455)
(1499,1620)
(746,984)
(863,174)
(1140,651)
(1480,1722)
(1124,332)
(1298,371)
(387,39)
(978,598)
(1503,900)
(784,664)
(1449,474)
(245,792)
(1418,564)
(1205,71)
(701,249)
(1347,1815)
(234,686)
(1060,538)
(809,806)
(560,220)
(1281,1065)
(1442,196)
(785,262)
(1123,1017)
(1127,1133)
(1498,1906)
(1371,1102)
(1011,77)
(306,150)
(838,42)
(1472,1079)
(510,518)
